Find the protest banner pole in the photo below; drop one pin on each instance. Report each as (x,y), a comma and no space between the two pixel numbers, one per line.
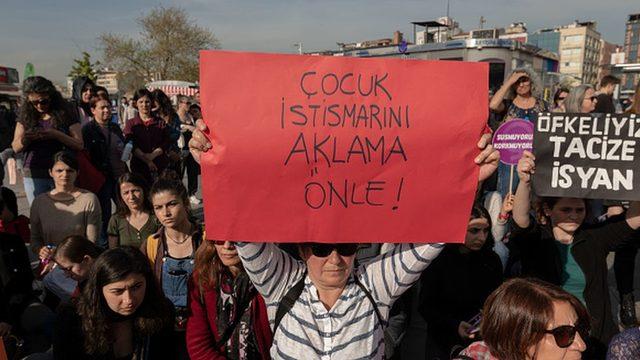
(511,180)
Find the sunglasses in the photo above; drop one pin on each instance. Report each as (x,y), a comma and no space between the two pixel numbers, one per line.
(562,97)
(592,98)
(222,242)
(324,250)
(566,334)
(41,102)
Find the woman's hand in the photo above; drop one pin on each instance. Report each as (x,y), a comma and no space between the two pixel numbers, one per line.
(199,142)
(507,204)
(488,158)
(49,134)
(152,166)
(526,166)
(515,77)
(45,252)
(463,330)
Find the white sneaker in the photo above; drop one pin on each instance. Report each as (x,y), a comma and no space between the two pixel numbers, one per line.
(194,200)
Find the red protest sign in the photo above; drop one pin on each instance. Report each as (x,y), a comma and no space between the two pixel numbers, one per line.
(331,149)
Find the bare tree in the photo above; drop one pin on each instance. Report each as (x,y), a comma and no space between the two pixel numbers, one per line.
(167,48)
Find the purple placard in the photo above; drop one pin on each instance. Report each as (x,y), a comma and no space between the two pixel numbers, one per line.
(512,138)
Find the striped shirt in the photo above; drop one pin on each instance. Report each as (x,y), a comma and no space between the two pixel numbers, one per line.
(350,329)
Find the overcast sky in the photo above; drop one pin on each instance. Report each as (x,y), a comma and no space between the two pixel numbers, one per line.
(51,33)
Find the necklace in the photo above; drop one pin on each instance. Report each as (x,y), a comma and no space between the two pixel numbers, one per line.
(175,241)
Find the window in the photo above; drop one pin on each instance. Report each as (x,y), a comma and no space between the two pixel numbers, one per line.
(573,38)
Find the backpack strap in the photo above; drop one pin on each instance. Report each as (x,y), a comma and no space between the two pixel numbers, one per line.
(373,302)
(152,248)
(288,301)
(293,294)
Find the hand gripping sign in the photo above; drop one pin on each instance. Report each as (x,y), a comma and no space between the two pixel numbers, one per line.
(334,149)
(591,156)
(511,139)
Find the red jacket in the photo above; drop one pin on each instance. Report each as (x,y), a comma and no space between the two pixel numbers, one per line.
(202,331)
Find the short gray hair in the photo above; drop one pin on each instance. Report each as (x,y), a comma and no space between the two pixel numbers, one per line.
(573,102)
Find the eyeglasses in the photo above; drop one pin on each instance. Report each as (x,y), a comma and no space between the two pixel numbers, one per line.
(562,97)
(324,250)
(592,98)
(566,334)
(41,102)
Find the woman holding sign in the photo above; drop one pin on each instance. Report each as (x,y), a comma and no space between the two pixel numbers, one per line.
(560,249)
(324,306)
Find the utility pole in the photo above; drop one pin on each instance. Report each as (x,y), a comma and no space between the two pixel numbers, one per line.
(448,11)
(299,46)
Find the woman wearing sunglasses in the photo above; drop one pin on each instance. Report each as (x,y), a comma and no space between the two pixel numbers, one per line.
(171,251)
(557,247)
(46,124)
(530,319)
(322,305)
(581,99)
(228,317)
(519,97)
(559,99)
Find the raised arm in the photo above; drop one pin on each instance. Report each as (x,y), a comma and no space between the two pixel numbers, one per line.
(633,215)
(496,101)
(522,201)
(271,270)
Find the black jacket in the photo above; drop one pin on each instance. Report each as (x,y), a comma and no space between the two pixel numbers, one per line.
(98,145)
(15,278)
(540,257)
(453,289)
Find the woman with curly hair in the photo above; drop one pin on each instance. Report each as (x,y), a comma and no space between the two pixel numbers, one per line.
(519,97)
(120,310)
(228,316)
(47,124)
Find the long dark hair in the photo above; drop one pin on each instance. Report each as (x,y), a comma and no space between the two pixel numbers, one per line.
(480,212)
(165,108)
(62,114)
(66,157)
(550,202)
(207,266)
(121,208)
(115,265)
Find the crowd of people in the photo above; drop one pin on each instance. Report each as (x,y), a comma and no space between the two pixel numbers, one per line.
(82,279)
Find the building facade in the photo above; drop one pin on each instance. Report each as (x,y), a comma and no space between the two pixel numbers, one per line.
(579,51)
(503,56)
(632,48)
(548,39)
